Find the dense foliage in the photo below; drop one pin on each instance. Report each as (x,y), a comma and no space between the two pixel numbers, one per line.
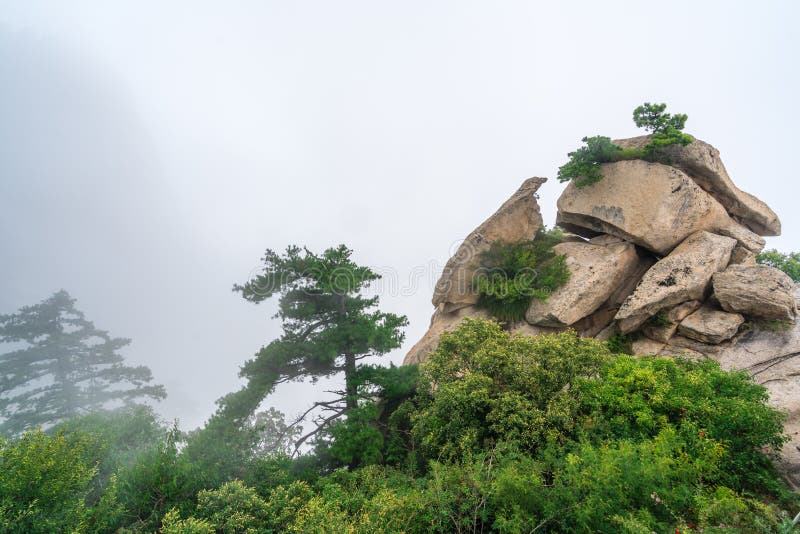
(584,163)
(498,433)
(62,366)
(788,263)
(512,274)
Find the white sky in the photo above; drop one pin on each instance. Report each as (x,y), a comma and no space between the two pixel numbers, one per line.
(150,151)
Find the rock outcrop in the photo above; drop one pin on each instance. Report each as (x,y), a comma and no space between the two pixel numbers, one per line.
(652,205)
(772,357)
(518,219)
(664,254)
(702,162)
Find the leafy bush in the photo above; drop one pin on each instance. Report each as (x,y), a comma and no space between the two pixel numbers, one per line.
(482,387)
(233,508)
(583,166)
(512,274)
(44,484)
(788,263)
(160,480)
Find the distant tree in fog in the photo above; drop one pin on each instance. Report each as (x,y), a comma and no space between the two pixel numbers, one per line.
(62,366)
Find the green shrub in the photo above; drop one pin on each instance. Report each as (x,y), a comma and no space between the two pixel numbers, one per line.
(482,386)
(512,274)
(584,163)
(45,481)
(788,263)
(620,343)
(161,479)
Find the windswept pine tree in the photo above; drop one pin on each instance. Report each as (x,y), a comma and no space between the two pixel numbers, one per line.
(328,328)
(62,366)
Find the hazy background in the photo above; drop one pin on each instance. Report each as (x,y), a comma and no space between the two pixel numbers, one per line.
(151,151)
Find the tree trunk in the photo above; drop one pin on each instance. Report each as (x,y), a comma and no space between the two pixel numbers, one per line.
(350,387)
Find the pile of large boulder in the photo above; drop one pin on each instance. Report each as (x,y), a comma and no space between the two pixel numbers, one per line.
(663,254)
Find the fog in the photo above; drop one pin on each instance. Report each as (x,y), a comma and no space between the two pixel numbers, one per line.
(151,151)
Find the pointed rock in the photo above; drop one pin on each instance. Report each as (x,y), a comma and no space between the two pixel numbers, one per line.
(683,275)
(518,219)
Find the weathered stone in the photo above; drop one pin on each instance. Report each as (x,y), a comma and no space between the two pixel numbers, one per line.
(682,276)
(606,239)
(518,219)
(646,347)
(691,346)
(742,256)
(594,273)
(606,333)
(652,205)
(703,164)
(773,359)
(662,332)
(442,321)
(710,325)
(757,291)
(681,352)
(627,286)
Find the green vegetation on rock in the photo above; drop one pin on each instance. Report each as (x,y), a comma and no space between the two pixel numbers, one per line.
(583,166)
(511,274)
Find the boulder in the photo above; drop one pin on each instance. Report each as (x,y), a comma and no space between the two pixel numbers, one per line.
(646,347)
(682,276)
(518,219)
(595,271)
(671,319)
(772,357)
(742,256)
(710,325)
(757,291)
(652,205)
(442,321)
(703,164)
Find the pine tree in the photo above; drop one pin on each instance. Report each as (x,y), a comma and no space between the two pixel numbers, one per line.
(62,366)
(328,325)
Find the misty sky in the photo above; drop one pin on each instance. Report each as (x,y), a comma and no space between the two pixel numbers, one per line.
(151,151)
